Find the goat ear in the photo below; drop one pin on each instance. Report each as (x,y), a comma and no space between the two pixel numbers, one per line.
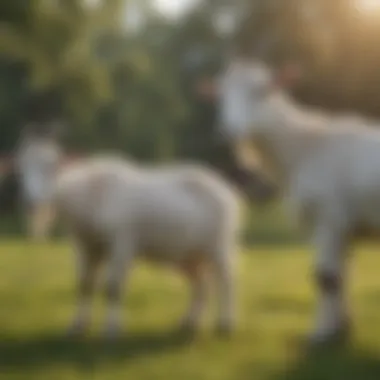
(207,88)
(288,75)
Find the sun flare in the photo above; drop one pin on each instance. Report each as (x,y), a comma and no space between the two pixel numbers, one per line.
(368,5)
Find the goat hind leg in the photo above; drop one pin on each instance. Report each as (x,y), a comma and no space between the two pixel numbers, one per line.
(195,273)
(224,268)
(122,254)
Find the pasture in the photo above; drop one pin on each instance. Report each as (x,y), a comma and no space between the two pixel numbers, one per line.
(276,299)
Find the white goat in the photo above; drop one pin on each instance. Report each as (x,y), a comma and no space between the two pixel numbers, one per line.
(331,175)
(36,162)
(180,215)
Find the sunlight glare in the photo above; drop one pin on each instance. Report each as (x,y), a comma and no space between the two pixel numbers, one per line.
(174,8)
(368,5)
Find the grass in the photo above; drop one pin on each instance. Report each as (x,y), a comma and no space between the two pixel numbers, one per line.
(276,306)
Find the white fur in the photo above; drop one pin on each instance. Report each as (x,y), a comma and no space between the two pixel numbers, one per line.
(182,215)
(329,168)
(37,161)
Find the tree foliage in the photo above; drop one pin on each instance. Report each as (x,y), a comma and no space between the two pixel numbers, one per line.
(133,89)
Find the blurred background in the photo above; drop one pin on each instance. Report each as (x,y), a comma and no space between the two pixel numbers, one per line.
(121,74)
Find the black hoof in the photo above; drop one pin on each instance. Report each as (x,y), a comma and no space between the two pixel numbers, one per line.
(186,329)
(319,344)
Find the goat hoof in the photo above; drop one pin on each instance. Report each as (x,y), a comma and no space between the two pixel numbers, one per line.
(111,334)
(224,330)
(187,329)
(338,337)
(76,331)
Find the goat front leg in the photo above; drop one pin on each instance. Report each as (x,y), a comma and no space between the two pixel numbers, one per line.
(331,252)
(31,221)
(122,254)
(42,221)
(88,263)
(224,267)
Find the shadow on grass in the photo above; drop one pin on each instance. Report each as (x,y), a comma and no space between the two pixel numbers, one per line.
(282,304)
(50,350)
(344,363)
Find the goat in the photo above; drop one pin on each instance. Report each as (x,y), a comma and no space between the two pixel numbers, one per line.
(181,215)
(327,167)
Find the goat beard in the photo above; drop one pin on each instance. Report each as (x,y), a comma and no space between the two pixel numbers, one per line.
(249,175)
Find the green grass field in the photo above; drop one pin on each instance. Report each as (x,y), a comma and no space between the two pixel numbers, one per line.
(276,307)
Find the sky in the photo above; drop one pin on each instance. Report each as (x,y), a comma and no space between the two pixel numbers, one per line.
(174,8)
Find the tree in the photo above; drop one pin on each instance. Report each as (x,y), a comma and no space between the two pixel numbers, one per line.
(50,45)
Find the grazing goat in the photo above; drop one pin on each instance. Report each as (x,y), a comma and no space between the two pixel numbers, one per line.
(181,215)
(330,173)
